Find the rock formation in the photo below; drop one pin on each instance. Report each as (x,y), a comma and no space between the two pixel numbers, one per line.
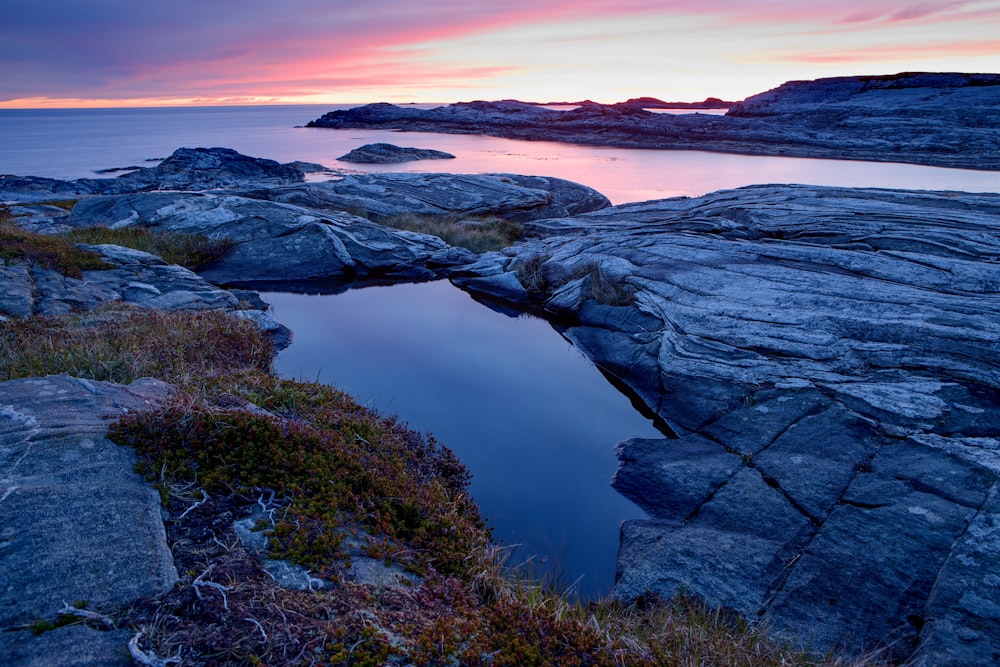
(948,120)
(828,359)
(391,154)
(79,524)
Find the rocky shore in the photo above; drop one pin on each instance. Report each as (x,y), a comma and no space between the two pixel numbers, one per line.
(826,357)
(945,120)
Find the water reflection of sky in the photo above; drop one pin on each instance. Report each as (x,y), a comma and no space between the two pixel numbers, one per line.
(531,417)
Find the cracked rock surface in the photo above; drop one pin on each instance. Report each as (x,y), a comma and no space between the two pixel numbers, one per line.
(105,544)
(828,360)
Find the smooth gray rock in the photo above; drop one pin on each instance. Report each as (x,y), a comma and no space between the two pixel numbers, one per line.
(946,119)
(76,645)
(78,523)
(837,348)
(378,196)
(274,241)
(392,154)
(136,277)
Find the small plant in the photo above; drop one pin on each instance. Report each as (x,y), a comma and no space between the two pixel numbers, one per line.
(530,275)
(478,234)
(189,250)
(602,289)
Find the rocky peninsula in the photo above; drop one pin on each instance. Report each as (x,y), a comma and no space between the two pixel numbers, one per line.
(939,119)
(826,359)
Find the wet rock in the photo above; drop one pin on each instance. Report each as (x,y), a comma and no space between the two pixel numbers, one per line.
(392,154)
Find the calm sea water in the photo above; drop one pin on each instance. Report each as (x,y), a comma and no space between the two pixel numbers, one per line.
(532,418)
(74,143)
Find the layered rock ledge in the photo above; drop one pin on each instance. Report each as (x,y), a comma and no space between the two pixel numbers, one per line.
(947,120)
(827,358)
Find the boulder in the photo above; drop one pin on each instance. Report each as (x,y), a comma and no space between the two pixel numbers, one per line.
(828,359)
(79,525)
(391,154)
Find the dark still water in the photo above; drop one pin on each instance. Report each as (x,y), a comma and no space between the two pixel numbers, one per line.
(534,421)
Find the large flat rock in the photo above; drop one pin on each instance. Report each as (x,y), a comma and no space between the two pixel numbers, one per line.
(78,524)
(840,347)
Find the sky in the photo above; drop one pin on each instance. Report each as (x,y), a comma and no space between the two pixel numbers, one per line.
(78,53)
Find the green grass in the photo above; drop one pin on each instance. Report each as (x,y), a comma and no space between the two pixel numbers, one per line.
(189,250)
(478,234)
(50,252)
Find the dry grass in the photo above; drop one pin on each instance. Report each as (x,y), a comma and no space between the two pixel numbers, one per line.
(119,343)
(603,289)
(189,250)
(50,252)
(478,234)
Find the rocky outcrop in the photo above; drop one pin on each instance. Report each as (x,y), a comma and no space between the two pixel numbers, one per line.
(185,169)
(948,120)
(136,277)
(827,358)
(391,154)
(379,196)
(274,241)
(78,525)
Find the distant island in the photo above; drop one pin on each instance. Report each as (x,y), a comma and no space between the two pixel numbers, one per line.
(937,119)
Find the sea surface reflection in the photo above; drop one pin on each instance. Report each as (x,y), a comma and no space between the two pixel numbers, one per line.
(531,417)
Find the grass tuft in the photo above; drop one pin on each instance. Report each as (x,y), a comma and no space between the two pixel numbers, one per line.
(530,274)
(192,251)
(478,234)
(603,289)
(50,252)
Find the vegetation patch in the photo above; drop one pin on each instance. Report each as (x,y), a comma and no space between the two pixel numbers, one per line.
(343,468)
(188,250)
(478,234)
(601,288)
(199,352)
(50,252)
(530,275)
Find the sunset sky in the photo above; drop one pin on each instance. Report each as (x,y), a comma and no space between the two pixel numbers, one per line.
(128,53)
